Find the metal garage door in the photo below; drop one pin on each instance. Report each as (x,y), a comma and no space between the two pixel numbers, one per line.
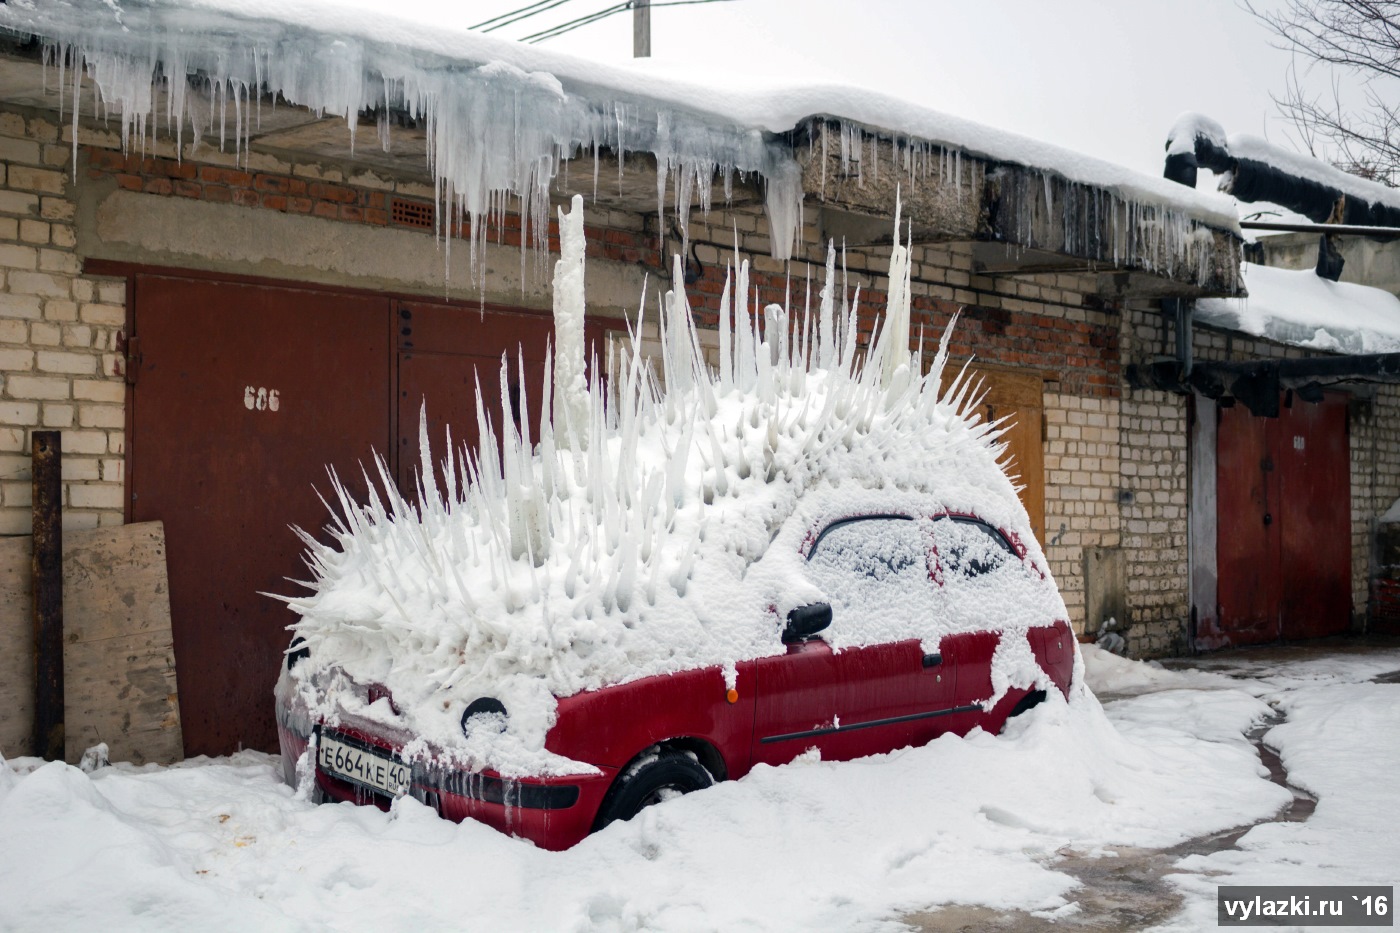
(1283,545)
(243,394)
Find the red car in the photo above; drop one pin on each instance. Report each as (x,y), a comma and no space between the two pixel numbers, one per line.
(659,736)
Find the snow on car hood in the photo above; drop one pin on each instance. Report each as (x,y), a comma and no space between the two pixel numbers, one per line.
(653,527)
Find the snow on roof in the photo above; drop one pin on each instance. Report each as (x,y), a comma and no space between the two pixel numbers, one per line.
(1300,308)
(1191,128)
(651,529)
(501,115)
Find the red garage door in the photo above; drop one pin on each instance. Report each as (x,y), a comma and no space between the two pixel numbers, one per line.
(1283,550)
(244,394)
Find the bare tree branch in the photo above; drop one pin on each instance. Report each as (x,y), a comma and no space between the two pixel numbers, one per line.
(1359,38)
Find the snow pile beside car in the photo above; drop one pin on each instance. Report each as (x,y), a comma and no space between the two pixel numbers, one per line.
(652,528)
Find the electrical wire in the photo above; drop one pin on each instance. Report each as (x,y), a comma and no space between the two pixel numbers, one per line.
(515,16)
(604,13)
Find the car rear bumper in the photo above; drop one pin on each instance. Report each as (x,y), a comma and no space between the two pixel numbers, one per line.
(552,812)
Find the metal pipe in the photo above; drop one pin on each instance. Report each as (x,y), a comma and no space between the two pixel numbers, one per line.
(47,569)
(1328,229)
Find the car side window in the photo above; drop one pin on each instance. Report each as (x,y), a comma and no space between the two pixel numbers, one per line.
(871,567)
(969,548)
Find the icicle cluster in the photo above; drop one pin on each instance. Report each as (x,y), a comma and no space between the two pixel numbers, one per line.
(1048,210)
(653,527)
(497,136)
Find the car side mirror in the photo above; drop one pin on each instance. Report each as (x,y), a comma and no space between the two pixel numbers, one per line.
(806,621)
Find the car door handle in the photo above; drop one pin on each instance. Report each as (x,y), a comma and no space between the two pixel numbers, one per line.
(932,660)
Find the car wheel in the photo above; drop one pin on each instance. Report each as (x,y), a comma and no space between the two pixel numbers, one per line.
(655,777)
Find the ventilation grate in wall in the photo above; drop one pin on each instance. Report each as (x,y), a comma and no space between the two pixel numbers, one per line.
(416,214)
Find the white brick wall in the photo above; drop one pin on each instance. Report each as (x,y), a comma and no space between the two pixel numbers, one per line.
(58,337)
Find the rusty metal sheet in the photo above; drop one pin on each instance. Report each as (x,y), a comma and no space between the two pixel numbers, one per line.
(1247,546)
(243,395)
(1283,524)
(1314,470)
(444,353)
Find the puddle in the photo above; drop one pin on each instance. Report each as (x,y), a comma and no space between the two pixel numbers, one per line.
(1392,678)
(1126,892)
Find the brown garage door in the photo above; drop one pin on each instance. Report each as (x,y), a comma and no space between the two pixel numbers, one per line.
(243,395)
(1283,526)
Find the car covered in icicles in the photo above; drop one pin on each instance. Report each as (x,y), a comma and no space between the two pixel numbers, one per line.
(810,546)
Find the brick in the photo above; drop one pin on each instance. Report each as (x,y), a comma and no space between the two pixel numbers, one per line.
(45,335)
(57,260)
(20,306)
(36,387)
(76,364)
(58,416)
(321,191)
(13,331)
(19,150)
(79,521)
(39,283)
(83,469)
(77,335)
(45,180)
(60,209)
(63,235)
(91,390)
(17,495)
(16,361)
(16,521)
(21,413)
(14,256)
(34,231)
(60,309)
(114,471)
(85,442)
(101,416)
(18,202)
(95,497)
(112,293)
(107,315)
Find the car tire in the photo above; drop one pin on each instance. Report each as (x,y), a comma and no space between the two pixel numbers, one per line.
(654,778)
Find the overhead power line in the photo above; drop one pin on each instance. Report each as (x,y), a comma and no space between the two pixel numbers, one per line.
(604,13)
(515,16)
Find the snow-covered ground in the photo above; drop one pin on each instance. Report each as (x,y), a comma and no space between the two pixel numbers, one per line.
(223,844)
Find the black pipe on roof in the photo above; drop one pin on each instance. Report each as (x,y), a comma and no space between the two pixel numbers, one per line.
(1256,180)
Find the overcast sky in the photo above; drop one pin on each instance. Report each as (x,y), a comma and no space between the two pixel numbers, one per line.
(1105,77)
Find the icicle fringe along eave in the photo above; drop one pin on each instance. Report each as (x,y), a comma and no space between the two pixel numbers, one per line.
(497,131)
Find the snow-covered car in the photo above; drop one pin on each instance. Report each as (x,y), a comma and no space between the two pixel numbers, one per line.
(809,546)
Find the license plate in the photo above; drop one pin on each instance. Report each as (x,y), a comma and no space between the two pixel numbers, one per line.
(371,768)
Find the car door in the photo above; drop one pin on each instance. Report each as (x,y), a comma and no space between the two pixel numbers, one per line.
(881,691)
(973,563)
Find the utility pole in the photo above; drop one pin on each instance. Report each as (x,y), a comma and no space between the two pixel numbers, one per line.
(641,28)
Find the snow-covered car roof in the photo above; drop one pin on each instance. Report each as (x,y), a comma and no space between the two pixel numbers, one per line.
(654,528)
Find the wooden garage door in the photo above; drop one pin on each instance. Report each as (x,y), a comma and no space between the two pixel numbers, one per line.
(1020,396)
